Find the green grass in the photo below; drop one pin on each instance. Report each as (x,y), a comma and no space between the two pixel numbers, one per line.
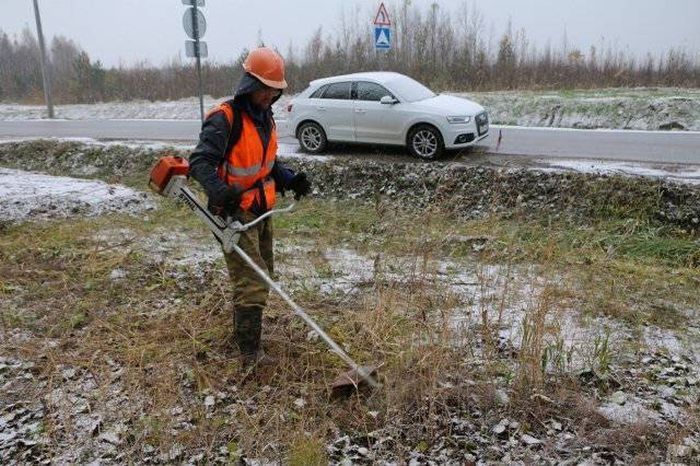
(621,240)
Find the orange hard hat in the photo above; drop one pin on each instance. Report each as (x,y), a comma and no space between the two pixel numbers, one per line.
(266,65)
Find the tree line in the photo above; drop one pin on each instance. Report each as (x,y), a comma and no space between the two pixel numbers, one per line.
(446,50)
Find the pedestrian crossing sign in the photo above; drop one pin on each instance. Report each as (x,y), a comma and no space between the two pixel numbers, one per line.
(382,37)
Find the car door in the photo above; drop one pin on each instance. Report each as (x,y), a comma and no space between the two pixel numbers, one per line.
(374,121)
(334,111)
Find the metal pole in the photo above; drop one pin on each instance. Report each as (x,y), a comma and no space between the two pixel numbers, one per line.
(195,25)
(44,65)
(309,321)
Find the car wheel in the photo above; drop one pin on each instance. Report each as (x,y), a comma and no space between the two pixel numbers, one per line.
(312,138)
(425,142)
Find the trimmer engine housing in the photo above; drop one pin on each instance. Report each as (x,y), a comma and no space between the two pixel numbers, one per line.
(165,169)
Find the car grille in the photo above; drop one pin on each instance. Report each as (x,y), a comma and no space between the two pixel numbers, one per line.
(482,123)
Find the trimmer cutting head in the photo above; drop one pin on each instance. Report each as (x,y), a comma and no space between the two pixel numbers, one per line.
(351,381)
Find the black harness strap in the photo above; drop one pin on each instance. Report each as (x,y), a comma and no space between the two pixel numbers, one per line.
(236,127)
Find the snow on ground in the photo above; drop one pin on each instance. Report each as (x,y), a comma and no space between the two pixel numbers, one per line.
(30,196)
(505,296)
(284,149)
(183,109)
(639,108)
(681,173)
(131,144)
(620,108)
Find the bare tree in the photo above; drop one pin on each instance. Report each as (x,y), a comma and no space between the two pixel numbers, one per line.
(447,54)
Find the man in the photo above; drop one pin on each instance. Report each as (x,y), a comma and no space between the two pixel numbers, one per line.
(235,162)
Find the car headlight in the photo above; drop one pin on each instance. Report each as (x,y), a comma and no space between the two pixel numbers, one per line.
(459,119)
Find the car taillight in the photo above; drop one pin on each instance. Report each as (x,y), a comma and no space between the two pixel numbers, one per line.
(289,107)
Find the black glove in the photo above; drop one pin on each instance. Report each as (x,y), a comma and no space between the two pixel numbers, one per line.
(301,185)
(225,201)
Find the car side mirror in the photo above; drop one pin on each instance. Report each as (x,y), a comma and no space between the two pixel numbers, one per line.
(388,100)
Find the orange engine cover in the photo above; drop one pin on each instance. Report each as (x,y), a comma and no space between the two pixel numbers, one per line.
(166,168)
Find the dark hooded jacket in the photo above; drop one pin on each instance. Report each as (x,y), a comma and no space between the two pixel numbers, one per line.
(209,153)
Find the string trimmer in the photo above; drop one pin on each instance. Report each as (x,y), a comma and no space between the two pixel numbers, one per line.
(169,178)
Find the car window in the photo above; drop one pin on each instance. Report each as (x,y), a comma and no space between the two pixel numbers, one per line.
(410,89)
(371,91)
(318,92)
(338,91)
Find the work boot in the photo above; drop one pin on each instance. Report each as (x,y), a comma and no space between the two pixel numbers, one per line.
(247,322)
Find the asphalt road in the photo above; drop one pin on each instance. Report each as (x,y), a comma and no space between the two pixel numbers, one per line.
(640,146)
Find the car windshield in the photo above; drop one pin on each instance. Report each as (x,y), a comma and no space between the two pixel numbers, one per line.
(410,89)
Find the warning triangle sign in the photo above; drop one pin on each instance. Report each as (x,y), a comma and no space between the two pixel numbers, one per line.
(382,18)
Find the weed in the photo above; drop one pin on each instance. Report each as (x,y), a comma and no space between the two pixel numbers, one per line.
(77,320)
(601,356)
(556,355)
(307,451)
(531,355)
(234,452)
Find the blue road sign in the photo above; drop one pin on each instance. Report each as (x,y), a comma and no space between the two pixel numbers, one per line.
(382,37)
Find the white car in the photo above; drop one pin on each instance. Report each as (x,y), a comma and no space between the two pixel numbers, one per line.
(384,108)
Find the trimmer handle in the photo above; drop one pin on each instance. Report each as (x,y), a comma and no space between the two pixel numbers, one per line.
(269,213)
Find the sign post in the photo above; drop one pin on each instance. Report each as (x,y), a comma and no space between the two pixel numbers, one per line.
(195,26)
(45,70)
(382,29)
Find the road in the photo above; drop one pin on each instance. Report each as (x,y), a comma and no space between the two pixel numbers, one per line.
(639,146)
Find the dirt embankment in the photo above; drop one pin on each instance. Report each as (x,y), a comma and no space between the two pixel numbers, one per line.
(473,192)
(468,191)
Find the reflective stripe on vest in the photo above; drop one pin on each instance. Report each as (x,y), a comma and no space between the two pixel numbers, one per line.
(246,166)
(242,172)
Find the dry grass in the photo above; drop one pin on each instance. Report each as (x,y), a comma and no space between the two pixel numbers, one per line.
(166,330)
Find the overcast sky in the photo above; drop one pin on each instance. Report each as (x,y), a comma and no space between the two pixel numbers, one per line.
(127,31)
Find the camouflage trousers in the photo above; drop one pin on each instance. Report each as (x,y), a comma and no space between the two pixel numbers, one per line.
(249,290)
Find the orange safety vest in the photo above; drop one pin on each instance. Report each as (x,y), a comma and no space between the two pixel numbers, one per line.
(247,166)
